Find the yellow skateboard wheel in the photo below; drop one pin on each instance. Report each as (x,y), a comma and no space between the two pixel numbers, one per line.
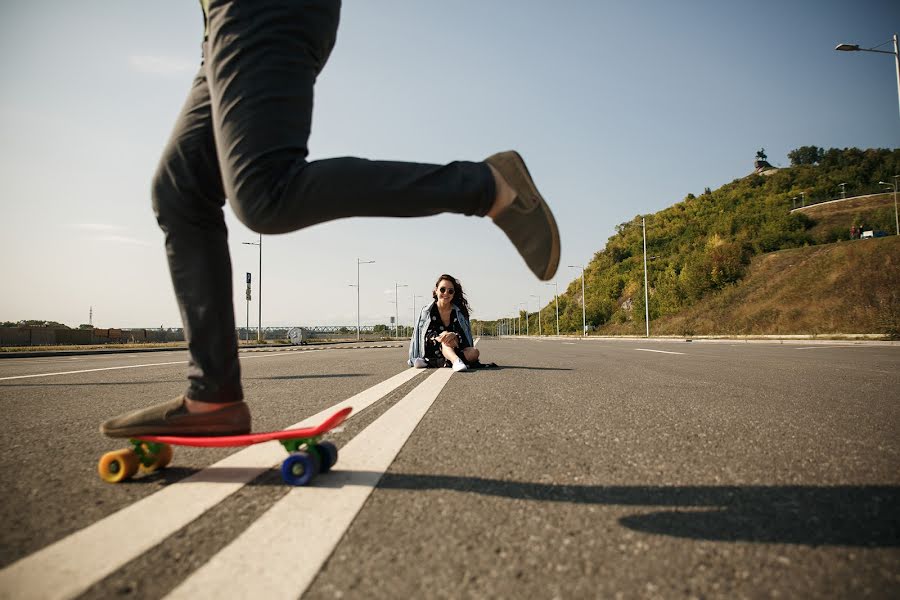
(118,465)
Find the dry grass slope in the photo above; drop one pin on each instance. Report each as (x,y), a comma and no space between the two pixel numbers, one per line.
(845,287)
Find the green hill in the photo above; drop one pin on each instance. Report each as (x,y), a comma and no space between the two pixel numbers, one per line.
(703,247)
(844,287)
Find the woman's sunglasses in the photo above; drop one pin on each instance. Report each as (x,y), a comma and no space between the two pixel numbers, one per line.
(444,290)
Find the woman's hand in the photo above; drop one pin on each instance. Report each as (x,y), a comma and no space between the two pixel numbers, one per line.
(449,338)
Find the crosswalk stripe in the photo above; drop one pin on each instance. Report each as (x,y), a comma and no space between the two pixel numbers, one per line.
(68,567)
(280,554)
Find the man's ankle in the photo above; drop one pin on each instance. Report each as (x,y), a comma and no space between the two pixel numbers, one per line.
(504,194)
(199,407)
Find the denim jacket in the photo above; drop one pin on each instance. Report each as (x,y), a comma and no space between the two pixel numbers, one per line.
(417,343)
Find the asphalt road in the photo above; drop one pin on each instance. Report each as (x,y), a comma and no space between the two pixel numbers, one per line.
(579,469)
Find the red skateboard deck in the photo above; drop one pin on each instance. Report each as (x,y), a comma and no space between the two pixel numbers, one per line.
(248,439)
(308,455)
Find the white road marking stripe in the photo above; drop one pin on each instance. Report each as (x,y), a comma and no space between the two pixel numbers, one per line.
(569,343)
(178,362)
(829,346)
(280,554)
(68,567)
(660,351)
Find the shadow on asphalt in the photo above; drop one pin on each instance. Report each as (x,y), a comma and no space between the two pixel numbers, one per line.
(503,367)
(808,515)
(324,376)
(846,515)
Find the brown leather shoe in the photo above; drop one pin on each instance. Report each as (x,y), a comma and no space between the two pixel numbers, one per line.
(527,222)
(173,418)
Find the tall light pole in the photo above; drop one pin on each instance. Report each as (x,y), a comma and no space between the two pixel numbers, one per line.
(359,262)
(583,313)
(259,285)
(646,295)
(894,185)
(519,318)
(556,297)
(397,309)
(540,331)
(896,53)
(414,323)
(526,318)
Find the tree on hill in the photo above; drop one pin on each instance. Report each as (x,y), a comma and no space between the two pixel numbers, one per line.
(806,155)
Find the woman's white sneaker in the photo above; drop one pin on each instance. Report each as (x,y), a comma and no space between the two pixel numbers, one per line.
(459,365)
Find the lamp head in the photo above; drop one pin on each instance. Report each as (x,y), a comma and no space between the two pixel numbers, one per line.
(847,47)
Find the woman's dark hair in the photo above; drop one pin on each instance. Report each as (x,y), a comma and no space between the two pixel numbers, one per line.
(459,298)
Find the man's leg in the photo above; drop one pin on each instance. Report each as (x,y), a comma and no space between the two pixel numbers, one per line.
(188,200)
(263,59)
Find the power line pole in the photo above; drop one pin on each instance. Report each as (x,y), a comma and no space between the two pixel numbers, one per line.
(646,295)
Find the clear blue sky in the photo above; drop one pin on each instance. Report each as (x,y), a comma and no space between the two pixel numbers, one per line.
(620,108)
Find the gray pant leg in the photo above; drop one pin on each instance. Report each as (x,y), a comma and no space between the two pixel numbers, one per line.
(188,198)
(263,58)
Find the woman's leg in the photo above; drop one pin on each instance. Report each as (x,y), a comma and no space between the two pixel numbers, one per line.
(470,354)
(449,353)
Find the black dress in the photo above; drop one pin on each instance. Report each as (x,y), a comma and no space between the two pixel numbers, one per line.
(436,327)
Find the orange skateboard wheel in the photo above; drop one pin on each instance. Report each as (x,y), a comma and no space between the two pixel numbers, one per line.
(118,465)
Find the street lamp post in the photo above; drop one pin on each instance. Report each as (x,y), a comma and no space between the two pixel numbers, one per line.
(397,309)
(359,262)
(894,186)
(259,285)
(526,319)
(414,311)
(556,297)
(583,312)
(896,53)
(540,330)
(646,294)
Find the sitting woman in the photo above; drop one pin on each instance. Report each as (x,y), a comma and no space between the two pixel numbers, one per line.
(443,337)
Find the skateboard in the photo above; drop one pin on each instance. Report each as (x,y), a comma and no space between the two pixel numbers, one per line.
(308,455)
